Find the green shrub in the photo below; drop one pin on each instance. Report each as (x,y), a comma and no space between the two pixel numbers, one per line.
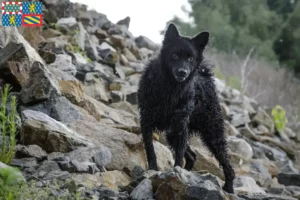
(279,118)
(8,126)
(10,182)
(234,82)
(219,74)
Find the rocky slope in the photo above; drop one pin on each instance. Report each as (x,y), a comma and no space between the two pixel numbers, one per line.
(79,119)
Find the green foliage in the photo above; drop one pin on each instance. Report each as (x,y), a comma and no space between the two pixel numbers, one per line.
(218,73)
(279,118)
(287,44)
(10,182)
(12,187)
(77,49)
(240,25)
(8,126)
(234,82)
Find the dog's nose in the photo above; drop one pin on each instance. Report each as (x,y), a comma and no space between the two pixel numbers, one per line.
(182,72)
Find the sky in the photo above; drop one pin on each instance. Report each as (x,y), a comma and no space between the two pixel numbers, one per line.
(148,17)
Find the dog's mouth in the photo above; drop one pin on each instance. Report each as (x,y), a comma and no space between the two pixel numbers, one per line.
(180,79)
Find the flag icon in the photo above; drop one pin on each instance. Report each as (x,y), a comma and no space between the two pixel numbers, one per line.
(22,13)
(11,8)
(32,8)
(11,20)
(32,20)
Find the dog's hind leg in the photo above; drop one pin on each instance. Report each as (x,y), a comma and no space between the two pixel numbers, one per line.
(190,158)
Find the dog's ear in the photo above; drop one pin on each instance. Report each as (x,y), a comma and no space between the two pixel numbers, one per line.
(201,39)
(171,32)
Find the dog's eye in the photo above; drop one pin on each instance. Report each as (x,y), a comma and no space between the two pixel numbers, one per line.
(191,59)
(175,56)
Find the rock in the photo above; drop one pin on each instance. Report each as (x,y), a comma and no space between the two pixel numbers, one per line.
(41,85)
(14,64)
(57,175)
(101,34)
(145,53)
(60,109)
(125,22)
(294,190)
(126,106)
(73,90)
(100,155)
(95,87)
(11,34)
(205,162)
(60,75)
(100,110)
(130,93)
(165,159)
(142,191)
(110,179)
(108,54)
(69,23)
(102,158)
(50,33)
(231,130)
(84,167)
(38,128)
(30,151)
(240,147)
(143,41)
(118,41)
(256,171)
(48,56)
(245,184)
(64,63)
(289,179)
(288,167)
(178,183)
(24,162)
(240,119)
(129,55)
(126,148)
(263,118)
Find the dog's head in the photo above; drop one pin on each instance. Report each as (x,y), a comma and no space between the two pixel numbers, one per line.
(181,55)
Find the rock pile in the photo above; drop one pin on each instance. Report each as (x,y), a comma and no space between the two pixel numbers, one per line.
(79,118)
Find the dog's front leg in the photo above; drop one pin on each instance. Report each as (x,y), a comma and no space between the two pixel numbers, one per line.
(179,130)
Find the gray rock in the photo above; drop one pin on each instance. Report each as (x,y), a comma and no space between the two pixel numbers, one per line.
(294,190)
(263,118)
(289,179)
(11,34)
(240,119)
(103,157)
(64,63)
(245,184)
(24,162)
(60,109)
(143,41)
(240,147)
(38,128)
(30,151)
(85,167)
(142,191)
(125,22)
(58,175)
(288,167)
(42,85)
(70,23)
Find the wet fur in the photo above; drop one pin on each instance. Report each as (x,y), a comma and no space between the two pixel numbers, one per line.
(182,109)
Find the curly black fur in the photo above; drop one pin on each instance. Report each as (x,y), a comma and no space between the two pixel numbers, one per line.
(177,95)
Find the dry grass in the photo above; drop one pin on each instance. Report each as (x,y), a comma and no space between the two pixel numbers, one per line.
(265,82)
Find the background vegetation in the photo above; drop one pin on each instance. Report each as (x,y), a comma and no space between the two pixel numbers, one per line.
(255,46)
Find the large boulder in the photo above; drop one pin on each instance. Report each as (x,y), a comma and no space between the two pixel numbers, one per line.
(53,136)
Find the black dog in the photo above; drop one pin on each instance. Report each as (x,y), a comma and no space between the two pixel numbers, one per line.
(177,95)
